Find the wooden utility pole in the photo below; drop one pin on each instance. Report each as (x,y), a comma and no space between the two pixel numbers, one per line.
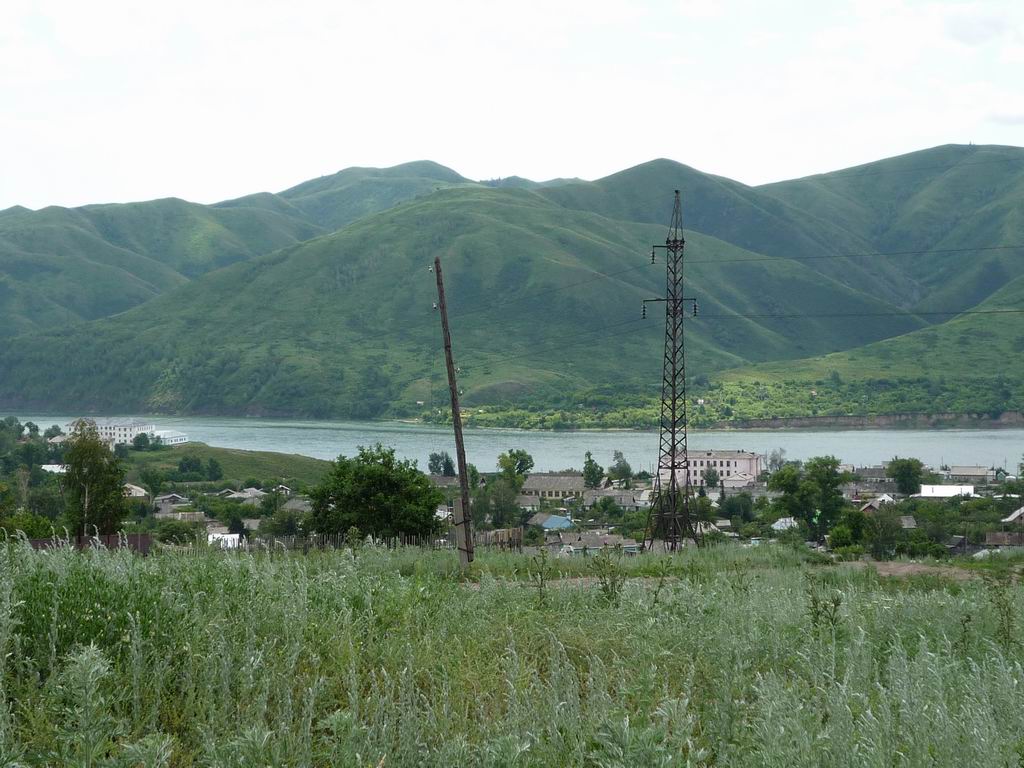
(463,528)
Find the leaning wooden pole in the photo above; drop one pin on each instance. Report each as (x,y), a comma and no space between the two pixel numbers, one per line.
(463,528)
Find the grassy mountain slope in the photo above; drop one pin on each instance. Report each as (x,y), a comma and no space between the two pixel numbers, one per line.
(343,325)
(333,201)
(60,265)
(946,198)
(973,363)
(730,211)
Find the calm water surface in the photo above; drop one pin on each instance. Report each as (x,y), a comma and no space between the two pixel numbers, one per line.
(560,450)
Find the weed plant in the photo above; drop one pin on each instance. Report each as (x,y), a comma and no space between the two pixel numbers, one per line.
(721,657)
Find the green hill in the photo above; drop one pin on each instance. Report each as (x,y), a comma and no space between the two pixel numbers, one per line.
(970,364)
(545,283)
(343,325)
(60,265)
(943,199)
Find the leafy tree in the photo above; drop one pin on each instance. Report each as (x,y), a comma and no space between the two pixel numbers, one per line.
(514,465)
(606,510)
(741,505)
(376,493)
(826,479)
(592,471)
(177,531)
(52,432)
(811,495)
(776,459)
(31,454)
(284,522)
(496,504)
(93,484)
(271,503)
(45,501)
(236,524)
(33,430)
(153,479)
(213,469)
(620,469)
(32,525)
(441,464)
(8,500)
(883,534)
(190,464)
(141,442)
(710,476)
(907,473)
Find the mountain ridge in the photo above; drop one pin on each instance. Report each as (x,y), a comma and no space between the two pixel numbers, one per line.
(324,326)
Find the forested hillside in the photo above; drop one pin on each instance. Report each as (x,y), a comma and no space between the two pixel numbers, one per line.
(545,284)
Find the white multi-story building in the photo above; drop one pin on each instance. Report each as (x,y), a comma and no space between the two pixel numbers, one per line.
(123,432)
(734,468)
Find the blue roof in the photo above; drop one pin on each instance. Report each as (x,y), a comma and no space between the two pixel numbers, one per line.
(556,521)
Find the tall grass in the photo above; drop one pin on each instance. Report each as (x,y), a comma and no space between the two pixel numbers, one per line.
(390,659)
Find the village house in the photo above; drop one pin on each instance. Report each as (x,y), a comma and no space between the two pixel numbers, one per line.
(554,485)
(971,474)
(944,491)
(627,500)
(875,504)
(135,491)
(251,496)
(550,522)
(166,503)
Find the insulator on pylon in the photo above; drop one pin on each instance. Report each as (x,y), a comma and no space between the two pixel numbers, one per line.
(643,311)
(652,255)
(435,305)
(695,308)
(430,268)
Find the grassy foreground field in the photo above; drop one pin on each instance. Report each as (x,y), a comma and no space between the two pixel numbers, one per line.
(386,659)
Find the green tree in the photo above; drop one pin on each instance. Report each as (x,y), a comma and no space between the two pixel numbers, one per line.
(377,494)
(141,442)
(741,505)
(496,504)
(284,522)
(236,524)
(190,464)
(620,469)
(710,476)
(907,473)
(213,469)
(176,531)
(153,479)
(52,432)
(270,504)
(441,464)
(93,484)
(592,471)
(514,465)
(32,525)
(606,510)
(826,480)
(33,430)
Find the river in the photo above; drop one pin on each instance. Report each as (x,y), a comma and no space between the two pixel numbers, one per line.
(561,450)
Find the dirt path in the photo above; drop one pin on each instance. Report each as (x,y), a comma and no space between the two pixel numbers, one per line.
(903,570)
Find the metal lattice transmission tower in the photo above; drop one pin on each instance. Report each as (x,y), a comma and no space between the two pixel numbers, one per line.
(671,518)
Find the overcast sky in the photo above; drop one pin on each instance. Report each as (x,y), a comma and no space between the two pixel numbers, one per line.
(207,99)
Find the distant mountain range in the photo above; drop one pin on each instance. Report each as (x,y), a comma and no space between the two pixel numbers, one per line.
(317,301)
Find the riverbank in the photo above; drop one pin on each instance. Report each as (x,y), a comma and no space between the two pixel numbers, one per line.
(558,450)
